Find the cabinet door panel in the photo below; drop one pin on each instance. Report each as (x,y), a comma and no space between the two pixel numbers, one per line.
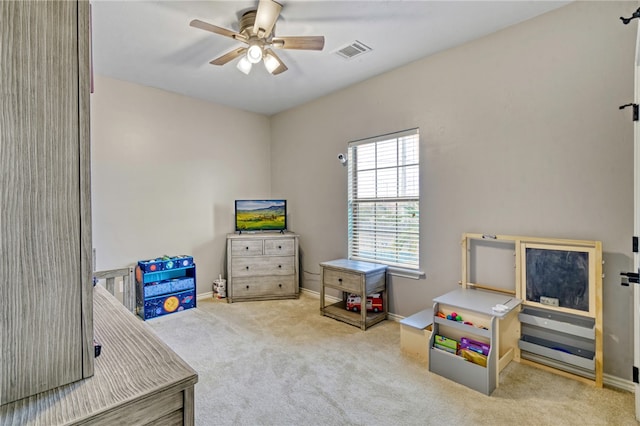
(40,218)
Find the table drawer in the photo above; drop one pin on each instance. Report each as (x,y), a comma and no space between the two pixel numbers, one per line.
(246,248)
(262,266)
(341,280)
(270,286)
(284,247)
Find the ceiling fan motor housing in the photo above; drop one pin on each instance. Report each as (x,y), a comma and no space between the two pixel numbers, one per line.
(246,23)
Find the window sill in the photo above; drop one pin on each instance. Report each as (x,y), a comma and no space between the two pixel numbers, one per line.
(397,271)
(413,274)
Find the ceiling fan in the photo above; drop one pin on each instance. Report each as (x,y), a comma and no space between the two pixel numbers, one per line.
(256,31)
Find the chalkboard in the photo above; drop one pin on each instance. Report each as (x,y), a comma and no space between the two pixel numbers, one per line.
(558,274)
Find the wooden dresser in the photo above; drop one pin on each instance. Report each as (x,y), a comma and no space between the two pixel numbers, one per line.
(262,266)
(138,380)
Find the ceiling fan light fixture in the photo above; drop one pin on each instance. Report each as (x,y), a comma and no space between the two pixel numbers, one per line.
(254,54)
(244,65)
(256,32)
(271,63)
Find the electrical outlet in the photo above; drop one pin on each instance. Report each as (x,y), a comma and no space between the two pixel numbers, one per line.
(551,301)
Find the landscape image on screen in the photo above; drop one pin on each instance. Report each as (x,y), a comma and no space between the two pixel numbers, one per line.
(260,215)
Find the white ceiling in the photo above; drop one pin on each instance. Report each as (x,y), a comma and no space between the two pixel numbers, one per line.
(151,43)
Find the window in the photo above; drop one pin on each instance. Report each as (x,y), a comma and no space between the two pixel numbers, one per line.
(384,199)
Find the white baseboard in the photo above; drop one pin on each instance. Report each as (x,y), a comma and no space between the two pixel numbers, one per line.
(207,295)
(618,383)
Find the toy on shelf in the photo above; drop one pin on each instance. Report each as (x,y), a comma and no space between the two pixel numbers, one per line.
(453,316)
(446,344)
(474,357)
(374,303)
(475,346)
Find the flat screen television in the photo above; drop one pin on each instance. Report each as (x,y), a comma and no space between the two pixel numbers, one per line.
(261,215)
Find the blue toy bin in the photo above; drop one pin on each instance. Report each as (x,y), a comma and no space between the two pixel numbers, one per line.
(168,303)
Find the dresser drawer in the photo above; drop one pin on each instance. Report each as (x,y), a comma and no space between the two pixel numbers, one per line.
(341,280)
(283,247)
(263,286)
(262,266)
(246,248)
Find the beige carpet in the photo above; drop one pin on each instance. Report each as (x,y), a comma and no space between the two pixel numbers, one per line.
(282,363)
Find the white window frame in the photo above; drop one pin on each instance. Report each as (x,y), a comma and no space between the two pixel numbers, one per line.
(358,226)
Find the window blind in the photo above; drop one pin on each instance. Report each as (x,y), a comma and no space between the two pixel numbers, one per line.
(384,199)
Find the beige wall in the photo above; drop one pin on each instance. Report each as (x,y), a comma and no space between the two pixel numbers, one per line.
(166,170)
(520,134)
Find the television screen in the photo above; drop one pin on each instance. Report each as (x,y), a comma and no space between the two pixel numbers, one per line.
(261,215)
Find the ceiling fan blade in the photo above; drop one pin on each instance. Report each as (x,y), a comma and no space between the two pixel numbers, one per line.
(301,43)
(266,17)
(229,56)
(282,67)
(196,23)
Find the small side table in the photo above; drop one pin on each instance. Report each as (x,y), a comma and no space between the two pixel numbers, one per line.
(354,277)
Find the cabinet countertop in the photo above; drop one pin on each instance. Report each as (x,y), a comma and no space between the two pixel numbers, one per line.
(354,266)
(133,365)
(262,235)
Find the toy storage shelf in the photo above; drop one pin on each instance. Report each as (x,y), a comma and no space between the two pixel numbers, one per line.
(474,306)
(355,277)
(164,292)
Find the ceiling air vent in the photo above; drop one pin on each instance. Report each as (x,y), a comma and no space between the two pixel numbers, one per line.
(352,50)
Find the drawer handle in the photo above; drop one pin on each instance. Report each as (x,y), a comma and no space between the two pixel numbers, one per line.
(280,285)
(339,280)
(247,248)
(247,287)
(279,266)
(280,247)
(247,268)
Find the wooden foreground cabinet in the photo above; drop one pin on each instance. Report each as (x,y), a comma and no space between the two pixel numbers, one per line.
(45,229)
(138,380)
